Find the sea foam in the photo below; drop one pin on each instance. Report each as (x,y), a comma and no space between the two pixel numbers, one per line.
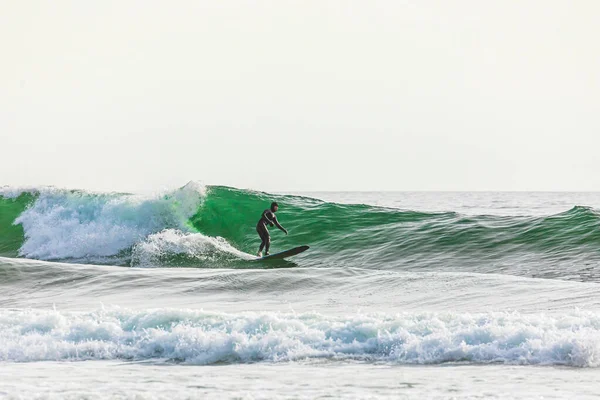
(79,225)
(173,247)
(201,337)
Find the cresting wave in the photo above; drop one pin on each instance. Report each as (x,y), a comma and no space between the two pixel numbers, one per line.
(198,337)
(73,225)
(198,226)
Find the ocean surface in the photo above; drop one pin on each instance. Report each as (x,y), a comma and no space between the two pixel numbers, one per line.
(401,295)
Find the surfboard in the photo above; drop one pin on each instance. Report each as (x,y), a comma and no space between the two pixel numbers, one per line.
(284,254)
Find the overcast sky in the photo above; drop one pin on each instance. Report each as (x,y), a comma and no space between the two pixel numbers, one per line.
(301,95)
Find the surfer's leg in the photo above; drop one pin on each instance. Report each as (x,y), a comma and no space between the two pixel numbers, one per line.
(264,236)
(262,242)
(267,243)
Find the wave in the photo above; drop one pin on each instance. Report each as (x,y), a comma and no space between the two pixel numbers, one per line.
(201,337)
(197,226)
(76,287)
(81,226)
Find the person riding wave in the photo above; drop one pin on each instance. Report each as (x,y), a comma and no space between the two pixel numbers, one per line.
(268,217)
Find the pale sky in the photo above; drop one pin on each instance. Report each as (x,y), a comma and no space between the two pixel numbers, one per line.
(301,95)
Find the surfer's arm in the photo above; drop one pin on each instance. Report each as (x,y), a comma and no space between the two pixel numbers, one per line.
(273,221)
(277,224)
(269,220)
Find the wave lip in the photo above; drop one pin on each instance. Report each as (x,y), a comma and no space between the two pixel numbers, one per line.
(199,337)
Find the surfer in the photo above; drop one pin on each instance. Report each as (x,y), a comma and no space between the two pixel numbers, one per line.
(267,217)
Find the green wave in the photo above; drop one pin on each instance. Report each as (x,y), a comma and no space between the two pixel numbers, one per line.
(340,235)
(233,213)
(384,234)
(12,236)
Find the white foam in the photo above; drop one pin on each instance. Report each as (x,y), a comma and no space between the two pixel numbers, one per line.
(79,225)
(199,337)
(159,247)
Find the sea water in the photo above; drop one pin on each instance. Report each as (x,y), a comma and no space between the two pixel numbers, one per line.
(401,295)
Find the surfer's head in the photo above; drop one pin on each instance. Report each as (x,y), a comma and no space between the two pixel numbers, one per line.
(274,206)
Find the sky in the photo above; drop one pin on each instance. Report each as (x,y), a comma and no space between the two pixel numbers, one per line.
(301,95)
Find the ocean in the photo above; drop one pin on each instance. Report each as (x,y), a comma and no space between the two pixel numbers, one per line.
(464,295)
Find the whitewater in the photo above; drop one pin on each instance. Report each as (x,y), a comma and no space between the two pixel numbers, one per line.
(401,295)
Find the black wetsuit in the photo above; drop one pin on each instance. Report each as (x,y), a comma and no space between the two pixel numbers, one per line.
(267,217)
